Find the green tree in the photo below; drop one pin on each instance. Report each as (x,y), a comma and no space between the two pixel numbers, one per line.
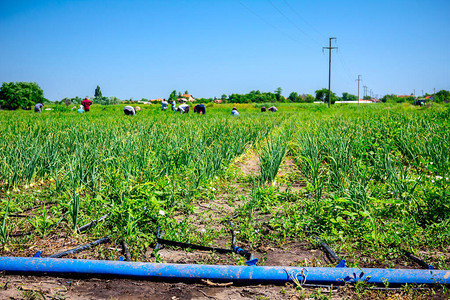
(308,98)
(114,100)
(186,92)
(294,97)
(223,97)
(98,92)
(76,100)
(173,95)
(389,98)
(14,95)
(278,94)
(409,99)
(442,96)
(101,100)
(322,95)
(349,97)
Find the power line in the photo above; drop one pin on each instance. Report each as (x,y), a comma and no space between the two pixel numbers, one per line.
(304,20)
(346,69)
(292,22)
(265,21)
(329,70)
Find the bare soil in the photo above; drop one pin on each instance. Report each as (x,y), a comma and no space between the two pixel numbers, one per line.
(248,164)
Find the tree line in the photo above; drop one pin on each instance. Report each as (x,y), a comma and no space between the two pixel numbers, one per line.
(440,97)
(294,97)
(14,95)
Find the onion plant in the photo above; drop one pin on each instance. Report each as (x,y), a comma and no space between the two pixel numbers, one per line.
(3,228)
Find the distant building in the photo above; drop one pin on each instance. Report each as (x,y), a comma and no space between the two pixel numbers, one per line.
(186,98)
(218,101)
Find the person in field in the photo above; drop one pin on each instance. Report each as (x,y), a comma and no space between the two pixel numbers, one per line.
(80,110)
(164,104)
(272,109)
(200,109)
(184,108)
(86,103)
(263,109)
(129,110)
(172,105)
(234,112)
(38,107)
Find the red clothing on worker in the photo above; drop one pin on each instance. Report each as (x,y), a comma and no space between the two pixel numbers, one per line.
(86,103)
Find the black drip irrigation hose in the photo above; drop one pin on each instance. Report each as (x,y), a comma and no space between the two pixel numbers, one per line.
(328,249)
(193,246)
(81,248)
(341,262)
(18,214)
(91,224)
(20,234)
(125,251)
(79,230)
(158,245)
(416,259)
(160,241)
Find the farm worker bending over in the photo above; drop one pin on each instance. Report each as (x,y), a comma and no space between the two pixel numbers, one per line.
(184,108)
(263,109)
(272,109)
(38,107)
(86,103)
(129,110)
(80,110)
(200,109)
(234,112)
(164,104)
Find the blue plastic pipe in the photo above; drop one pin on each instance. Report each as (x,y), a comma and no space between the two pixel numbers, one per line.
(221,273)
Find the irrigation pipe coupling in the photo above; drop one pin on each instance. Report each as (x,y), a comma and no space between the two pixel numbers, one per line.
(220,273)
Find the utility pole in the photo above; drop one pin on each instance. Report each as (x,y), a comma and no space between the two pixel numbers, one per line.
(329,70)
(359,79)
(365,90)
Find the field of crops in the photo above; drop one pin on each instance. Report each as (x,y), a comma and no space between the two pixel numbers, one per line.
(370,180)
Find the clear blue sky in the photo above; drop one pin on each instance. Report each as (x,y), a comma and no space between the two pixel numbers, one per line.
(146,49)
